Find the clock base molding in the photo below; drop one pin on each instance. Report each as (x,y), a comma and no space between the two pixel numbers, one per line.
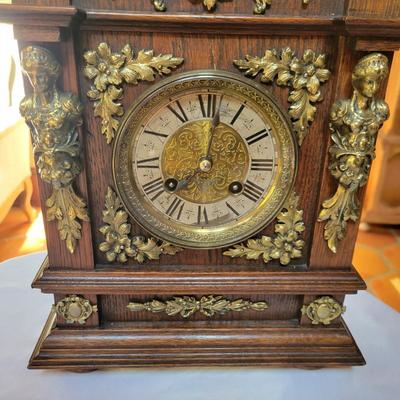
(178,344)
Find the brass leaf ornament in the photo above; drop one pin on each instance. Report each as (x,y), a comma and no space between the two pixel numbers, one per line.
(74,309)
(354,125)
(53,116)
(210,4)
(118,245)
(110,70)
(284,246)
(187,305)
(323,310)
(261,6)
(159,5)
(302,75)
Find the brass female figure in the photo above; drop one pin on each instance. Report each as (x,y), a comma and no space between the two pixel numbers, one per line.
(354,124)
(52,117)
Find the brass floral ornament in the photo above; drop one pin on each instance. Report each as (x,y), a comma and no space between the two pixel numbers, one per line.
(303,75)
(53,116)
(159,5)
(323,310)
(75,309)
(284,246)
(118,245)
(187,305)
(110,70)
(354,124)
(261,6)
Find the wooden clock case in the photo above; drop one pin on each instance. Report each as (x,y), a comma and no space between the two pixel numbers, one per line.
(281,336)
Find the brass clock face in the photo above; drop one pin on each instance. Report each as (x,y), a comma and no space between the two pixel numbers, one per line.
(205,159)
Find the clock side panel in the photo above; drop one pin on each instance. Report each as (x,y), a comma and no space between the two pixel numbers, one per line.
(206,51)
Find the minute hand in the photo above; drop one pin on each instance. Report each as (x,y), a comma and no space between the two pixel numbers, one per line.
(214,123)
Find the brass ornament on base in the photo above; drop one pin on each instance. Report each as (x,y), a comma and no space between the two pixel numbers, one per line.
(284,246)
(354,124)
(118,244)
(323,310)
(53,116)
(110,70)
(75,309)
(187,305)
(304,77)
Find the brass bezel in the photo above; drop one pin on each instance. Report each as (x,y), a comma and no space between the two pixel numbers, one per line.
(238,230)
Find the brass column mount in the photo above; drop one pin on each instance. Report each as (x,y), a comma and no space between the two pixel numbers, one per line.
(323,310)
(303,75)
(354,124)
(208,305)
(284,246)
(53,116)
(118,245)
(75,309)
(110,70)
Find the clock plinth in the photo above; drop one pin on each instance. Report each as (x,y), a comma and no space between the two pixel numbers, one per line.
(201,175)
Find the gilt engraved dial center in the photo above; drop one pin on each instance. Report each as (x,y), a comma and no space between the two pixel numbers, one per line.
(205,180)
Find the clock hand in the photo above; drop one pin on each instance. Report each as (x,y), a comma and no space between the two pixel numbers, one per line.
(214,123)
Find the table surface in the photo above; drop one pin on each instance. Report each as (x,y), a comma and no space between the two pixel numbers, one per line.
(375,326)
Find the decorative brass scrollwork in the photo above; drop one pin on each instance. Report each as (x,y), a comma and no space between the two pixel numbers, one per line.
(261,6)
(354,124)
(284,246)
(208,305)
(118,245)
(75,309)
(304,76)
(110,70)
(323,310)
(53,117)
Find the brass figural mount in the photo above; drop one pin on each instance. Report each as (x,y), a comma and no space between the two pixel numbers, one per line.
(208,305)
(53,117)
(354,124)
(303,75)
(110,70)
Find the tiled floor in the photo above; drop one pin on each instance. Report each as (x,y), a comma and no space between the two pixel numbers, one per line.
(376,257)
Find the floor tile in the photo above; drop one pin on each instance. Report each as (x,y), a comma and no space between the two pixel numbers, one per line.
(388,289)
(392,253)
(368,262)
(376,237)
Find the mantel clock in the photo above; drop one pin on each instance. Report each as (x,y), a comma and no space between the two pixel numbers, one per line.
(201,166)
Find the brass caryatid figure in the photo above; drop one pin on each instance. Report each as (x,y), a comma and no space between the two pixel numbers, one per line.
(354,124)
(53,116)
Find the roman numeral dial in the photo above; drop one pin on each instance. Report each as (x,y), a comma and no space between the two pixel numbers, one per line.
(206,154)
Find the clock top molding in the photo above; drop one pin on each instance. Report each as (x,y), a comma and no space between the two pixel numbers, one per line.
(53,19)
